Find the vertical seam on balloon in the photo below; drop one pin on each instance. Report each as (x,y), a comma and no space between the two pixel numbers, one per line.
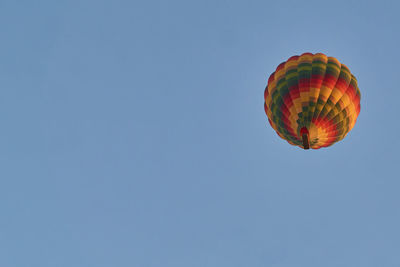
(330,59)
(276,119)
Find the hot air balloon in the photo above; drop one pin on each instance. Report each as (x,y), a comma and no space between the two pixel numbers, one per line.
(312,100)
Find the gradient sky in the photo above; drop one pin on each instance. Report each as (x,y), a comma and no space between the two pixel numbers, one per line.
(133,134)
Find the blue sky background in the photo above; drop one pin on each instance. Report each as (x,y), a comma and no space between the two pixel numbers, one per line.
(133,134)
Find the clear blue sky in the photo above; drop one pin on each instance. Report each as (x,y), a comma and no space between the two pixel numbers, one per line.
(133,134)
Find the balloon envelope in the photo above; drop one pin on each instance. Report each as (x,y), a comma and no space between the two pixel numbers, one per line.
(312,100)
